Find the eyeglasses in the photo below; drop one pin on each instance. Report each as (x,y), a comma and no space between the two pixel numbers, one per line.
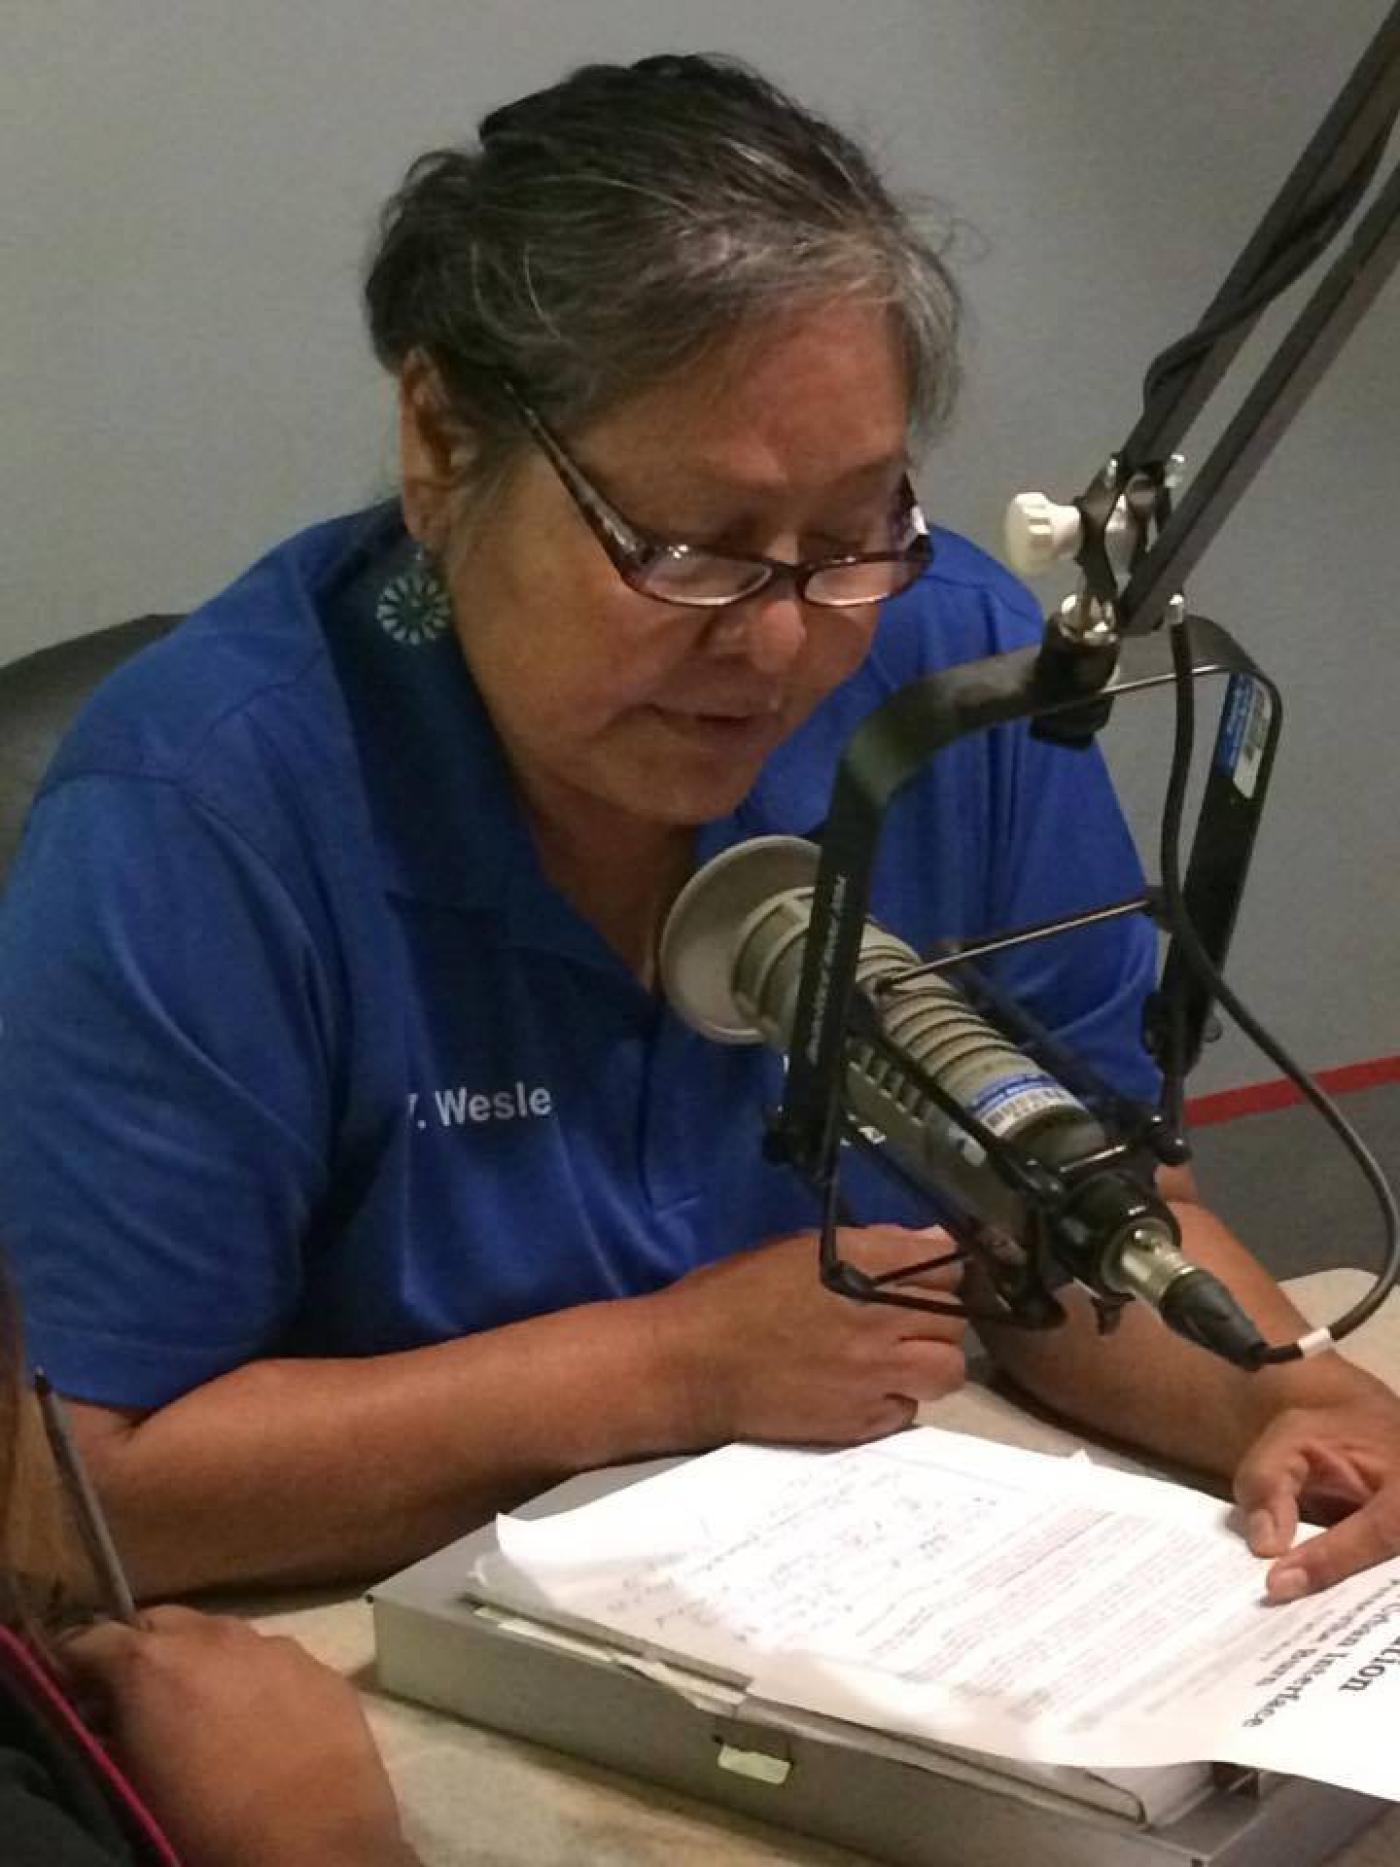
(689,575)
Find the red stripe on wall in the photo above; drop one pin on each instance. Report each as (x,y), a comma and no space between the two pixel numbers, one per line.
(1260,1098)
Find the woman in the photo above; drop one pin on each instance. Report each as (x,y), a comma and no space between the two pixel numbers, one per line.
(358,1179)
(218,1747)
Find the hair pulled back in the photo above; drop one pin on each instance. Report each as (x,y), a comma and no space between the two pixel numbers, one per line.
(608,230)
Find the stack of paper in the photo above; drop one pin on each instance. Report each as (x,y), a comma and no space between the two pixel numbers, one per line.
(966,1593)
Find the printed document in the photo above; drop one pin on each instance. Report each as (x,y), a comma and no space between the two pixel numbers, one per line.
(967,1593)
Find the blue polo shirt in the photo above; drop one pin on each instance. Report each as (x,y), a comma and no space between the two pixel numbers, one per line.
(301,1054)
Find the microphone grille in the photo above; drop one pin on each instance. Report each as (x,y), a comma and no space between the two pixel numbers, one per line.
(701,941)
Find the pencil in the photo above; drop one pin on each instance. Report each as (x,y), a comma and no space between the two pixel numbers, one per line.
(82,1500)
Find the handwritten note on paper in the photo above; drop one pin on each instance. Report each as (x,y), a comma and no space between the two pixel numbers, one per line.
(974,1594)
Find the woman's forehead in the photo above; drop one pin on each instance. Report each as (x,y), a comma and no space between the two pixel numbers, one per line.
(822,397)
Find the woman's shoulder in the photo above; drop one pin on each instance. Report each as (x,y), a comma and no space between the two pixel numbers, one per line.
(238,704)
(966,606)
(227,741)
(256,652)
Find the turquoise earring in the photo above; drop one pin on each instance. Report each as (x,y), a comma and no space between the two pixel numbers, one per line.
(414,606)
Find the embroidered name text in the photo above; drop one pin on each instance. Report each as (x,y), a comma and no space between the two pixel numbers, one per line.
(456,1107)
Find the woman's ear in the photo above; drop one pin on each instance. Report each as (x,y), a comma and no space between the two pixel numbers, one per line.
(432,453)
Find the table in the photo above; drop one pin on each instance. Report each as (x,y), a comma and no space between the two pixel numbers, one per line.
(472,1798)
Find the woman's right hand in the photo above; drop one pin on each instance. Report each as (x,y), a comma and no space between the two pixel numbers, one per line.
(761,1350)
(248,1752)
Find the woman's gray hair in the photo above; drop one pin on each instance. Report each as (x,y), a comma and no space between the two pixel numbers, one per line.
(609,230)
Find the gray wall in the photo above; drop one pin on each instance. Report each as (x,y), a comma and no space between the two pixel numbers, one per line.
(191,188)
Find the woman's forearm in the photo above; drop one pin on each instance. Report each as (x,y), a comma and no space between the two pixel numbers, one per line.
(1149,1388)
(306,1471)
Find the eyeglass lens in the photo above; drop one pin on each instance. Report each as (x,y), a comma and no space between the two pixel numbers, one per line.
(680,575)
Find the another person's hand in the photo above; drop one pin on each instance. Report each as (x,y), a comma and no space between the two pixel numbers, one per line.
(249,1752)
(1335,1461)
(765,1352)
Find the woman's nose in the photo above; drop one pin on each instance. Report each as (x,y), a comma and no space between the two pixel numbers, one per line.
(769,629)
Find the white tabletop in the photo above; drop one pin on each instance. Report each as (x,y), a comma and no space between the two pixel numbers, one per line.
(472,1798)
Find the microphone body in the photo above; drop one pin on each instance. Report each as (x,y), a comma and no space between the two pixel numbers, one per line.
(731,966)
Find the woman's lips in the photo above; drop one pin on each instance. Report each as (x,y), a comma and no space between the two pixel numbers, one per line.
(734,730)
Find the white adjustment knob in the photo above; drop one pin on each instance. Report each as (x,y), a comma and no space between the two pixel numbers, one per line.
(1037,533)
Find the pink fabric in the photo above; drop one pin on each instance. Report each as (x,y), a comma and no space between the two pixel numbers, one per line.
(34,1681)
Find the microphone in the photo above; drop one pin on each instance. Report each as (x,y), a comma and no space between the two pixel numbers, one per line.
(731,966)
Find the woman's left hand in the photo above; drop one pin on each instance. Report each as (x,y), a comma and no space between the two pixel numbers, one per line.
(1337,1460)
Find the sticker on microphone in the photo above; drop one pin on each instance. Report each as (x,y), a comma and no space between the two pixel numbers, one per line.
(1010,1102)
